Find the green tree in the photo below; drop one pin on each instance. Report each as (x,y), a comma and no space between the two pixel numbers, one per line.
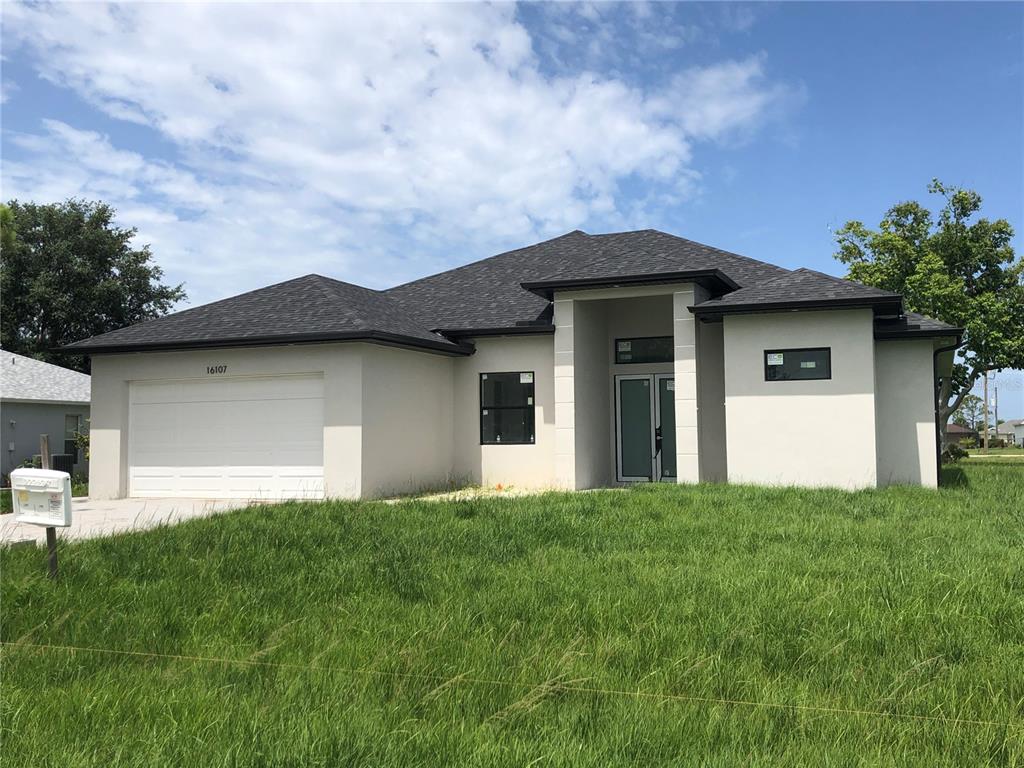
(6,230)
(970,412)
(955,266)
(71,273)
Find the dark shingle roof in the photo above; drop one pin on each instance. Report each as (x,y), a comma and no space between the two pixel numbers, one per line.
(912,324)
(800,288)
(307,308)
(489,293)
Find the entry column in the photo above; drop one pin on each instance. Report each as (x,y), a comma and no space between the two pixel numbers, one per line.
(684,331)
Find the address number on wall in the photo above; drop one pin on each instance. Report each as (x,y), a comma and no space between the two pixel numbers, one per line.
(215,369)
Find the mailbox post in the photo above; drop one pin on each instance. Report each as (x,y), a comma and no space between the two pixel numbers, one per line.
(43,497)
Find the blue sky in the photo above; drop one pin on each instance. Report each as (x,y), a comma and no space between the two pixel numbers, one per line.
(376,144)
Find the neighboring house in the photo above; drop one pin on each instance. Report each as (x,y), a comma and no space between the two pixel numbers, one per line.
(956,433)
(37,398)
(579,362)
(1006,432)
(1018,431)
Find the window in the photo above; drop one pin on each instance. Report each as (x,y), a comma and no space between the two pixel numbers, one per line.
(506,408)
(653,349)
(797,364)
(72,425)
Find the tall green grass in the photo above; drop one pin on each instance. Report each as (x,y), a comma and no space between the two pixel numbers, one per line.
(433,633)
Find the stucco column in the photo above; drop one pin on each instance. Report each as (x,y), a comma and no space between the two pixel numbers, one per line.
(565,405)
(684,331)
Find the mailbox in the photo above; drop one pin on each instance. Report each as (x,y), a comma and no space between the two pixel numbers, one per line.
(41,497)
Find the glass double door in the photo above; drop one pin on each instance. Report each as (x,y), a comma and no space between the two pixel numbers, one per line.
(645,427)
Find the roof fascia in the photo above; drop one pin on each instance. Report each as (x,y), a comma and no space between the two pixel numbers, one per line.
(878,305)
(453,348)
(714,280)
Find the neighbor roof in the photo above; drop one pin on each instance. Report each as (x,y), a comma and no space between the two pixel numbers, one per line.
(959,429)
(507,293)
(24,378)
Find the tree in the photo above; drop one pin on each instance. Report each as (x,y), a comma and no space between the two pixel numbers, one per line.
(6,230)
(70,273)
(954,266)
(970,412)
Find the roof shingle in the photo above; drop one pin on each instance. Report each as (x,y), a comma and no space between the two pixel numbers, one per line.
(309,308)
(25,378)
(484,295)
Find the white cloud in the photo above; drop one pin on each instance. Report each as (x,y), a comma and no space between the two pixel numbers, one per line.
(374,143)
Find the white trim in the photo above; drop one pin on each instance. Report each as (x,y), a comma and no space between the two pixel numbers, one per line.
(28,401)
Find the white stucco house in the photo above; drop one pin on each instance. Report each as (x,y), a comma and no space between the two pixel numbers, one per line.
(583,361)
(38,398)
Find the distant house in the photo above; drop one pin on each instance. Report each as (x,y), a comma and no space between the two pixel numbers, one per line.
(1018,431)
(1008,431)
(956,433)
(37,398)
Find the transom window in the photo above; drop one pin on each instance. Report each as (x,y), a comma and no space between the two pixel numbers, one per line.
(506,408)
(648,349)
(797,364)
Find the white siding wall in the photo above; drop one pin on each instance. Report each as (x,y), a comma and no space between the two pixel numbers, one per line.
(525,466)
(905,412)
(407,421)
(812,433)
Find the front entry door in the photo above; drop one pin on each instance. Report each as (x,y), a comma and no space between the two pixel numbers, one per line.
(645,427)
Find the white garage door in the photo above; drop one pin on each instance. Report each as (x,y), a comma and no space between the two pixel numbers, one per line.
(249,438)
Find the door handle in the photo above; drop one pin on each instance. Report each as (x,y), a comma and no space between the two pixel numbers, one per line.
(657,441)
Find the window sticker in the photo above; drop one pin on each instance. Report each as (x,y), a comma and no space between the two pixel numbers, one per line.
(670,386)
(526,378)
(776,358)
(625,346)
(529,401)
(808,364)
(485,411)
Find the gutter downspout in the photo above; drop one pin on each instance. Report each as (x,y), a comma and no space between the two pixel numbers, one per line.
(938,391)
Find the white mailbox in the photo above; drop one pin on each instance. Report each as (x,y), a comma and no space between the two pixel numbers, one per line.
(41,497)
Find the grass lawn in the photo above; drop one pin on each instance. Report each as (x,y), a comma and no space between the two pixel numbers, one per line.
(607,628)
(1011,455)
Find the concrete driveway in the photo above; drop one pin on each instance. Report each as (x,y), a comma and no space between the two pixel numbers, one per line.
(90,518)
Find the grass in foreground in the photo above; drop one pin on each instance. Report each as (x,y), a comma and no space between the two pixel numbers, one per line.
(903,601)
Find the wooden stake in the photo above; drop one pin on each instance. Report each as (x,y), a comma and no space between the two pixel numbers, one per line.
(51,532)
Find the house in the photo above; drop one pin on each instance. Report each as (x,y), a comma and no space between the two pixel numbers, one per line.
(37,398)
(1018,431)
(1006,431)
(582,361)
(957,433)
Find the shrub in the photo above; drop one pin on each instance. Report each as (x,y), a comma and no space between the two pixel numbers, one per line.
(953,453)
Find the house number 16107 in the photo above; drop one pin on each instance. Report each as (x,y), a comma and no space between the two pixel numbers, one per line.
(211,369)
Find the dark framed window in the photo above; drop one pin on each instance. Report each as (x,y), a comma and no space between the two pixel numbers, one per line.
(798,364)
(647,349)
(507,408)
